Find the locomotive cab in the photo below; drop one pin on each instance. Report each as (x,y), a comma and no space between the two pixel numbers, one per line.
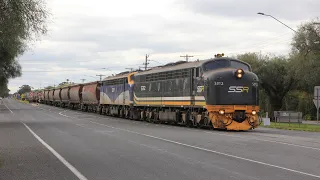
(231,93)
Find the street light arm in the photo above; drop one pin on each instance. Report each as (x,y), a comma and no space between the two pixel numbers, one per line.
(282,23)
(263,14)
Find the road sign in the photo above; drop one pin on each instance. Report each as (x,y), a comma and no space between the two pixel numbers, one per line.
(316,99)
(316,96)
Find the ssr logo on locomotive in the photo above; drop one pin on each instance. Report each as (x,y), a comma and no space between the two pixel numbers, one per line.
(200,89)
(238,89)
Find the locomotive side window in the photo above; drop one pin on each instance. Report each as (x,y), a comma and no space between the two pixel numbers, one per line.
(217,64)
(198,72)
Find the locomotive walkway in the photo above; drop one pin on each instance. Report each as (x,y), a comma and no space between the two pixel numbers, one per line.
(45,142)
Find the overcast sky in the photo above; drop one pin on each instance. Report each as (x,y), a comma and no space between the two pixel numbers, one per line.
(87,38)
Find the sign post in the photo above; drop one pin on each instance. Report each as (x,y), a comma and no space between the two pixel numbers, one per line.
(316,100)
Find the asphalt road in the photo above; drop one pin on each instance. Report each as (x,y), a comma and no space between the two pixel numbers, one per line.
(45,142)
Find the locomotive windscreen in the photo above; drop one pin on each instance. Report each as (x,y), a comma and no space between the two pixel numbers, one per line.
(225,63)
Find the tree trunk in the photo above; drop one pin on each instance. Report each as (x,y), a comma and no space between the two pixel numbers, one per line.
(276,104)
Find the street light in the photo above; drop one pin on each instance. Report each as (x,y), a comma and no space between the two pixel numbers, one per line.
(263,14)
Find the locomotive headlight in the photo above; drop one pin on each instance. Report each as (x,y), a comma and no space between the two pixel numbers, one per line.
(221,111)
(239,73)
(254,112)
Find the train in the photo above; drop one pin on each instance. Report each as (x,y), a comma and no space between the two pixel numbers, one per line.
(220,93)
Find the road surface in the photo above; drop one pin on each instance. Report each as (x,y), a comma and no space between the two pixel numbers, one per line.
(45,142)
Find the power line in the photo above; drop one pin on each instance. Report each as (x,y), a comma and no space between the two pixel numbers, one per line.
(155,61)
(131,69)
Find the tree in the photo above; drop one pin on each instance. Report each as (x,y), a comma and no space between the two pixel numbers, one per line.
(275,76)
(64,84)
(21,21)
(4,91)
(307,38)
(24,88)
(49,87)
(306,55)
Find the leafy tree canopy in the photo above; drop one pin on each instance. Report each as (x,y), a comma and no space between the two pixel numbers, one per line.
(21,21)
(24,88)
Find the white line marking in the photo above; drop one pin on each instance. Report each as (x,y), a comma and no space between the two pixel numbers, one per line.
(212,151)
(230,135)
(278,142)
(207,150)
(7,108)
(60,113)
(95,130)
(55,153)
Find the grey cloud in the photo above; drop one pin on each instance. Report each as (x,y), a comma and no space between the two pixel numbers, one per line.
(115,34)
(283,9)
(95,42)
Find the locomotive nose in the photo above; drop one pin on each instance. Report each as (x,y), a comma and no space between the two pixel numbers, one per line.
(235,93)
(231,87)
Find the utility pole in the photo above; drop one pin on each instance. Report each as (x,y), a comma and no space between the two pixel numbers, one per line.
(147,62)
(131,69)
(100,76)
(82,80)
(186,56)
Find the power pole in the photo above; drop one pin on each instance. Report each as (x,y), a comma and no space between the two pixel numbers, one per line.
(131,69)
(100,76)
(186,56)
(82,80)
(147,62)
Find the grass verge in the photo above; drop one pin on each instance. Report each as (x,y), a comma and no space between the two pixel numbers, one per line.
(294,126)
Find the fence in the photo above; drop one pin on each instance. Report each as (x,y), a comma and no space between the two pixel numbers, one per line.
(288,116)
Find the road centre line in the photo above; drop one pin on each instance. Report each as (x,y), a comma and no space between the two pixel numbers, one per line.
(230,135)
(204,149)
(278,142)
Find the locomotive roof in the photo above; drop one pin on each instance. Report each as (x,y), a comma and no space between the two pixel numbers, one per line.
(173,66)
(185,65)
(116,77)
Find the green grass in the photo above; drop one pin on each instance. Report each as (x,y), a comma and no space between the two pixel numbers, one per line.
(294,126)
